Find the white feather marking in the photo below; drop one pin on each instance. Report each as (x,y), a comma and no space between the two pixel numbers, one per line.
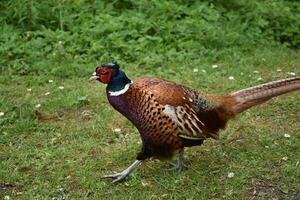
(196,126)
(117,93)
(170,111)
(190,138)
(189,124)
(177,112)
(198,119)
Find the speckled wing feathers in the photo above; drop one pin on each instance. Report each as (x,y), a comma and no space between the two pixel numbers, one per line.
(179,104)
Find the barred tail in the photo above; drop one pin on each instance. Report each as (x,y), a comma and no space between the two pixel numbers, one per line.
(252,96)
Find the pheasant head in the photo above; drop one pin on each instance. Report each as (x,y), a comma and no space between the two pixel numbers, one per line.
(112,75)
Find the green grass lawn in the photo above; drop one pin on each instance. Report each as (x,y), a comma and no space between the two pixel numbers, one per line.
(62,148)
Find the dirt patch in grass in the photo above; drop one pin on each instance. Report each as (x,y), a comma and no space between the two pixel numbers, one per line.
(9,188)
(263,189)
(80,113)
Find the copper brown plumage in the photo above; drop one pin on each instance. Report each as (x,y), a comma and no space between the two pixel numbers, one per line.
(170,117)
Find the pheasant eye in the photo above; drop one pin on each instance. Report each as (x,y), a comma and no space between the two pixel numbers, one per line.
(103,71)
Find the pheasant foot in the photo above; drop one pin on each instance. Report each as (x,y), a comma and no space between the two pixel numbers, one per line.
(122,175)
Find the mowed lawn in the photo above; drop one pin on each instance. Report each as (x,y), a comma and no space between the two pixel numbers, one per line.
(58,136)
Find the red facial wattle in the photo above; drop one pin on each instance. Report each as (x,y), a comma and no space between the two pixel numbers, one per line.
(105,78)
(104,74)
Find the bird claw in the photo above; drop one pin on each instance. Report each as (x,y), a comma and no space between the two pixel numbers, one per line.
(179,167)
(117,177)
(122,175)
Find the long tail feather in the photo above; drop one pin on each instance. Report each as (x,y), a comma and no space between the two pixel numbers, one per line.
(252,96)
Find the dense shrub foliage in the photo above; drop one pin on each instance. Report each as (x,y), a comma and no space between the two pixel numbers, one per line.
(41,36)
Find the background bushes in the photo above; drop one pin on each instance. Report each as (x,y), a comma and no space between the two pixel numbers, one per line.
(41,36)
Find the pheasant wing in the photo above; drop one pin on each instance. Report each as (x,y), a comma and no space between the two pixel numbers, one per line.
(182,105)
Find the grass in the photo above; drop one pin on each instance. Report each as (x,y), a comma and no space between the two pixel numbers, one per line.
(56,143)
(61,149)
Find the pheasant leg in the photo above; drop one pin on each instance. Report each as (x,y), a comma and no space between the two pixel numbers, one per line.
(180,165)
(120,176)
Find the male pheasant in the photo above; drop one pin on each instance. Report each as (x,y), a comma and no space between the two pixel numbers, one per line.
(170,116)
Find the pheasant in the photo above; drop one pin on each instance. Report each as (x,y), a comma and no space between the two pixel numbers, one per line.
(170,116)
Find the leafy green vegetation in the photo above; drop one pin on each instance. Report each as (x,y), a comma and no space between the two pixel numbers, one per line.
(58,134)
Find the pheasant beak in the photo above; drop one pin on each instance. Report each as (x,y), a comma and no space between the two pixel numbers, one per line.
(94,77)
